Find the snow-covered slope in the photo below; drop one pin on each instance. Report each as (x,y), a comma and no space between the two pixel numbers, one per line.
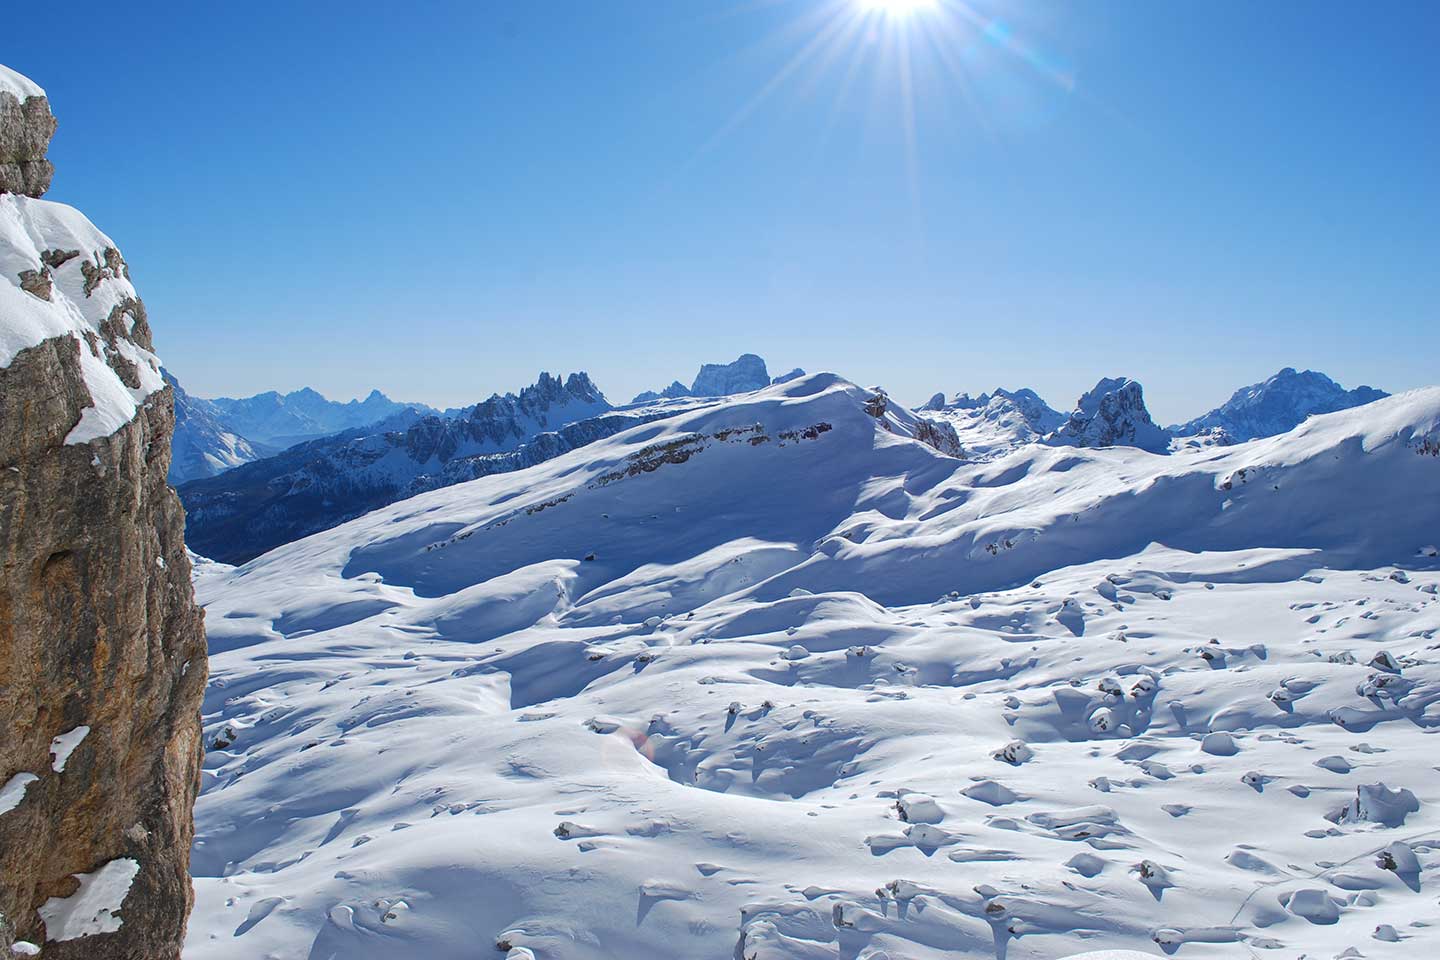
(1275,406)
(313,486)
(994,424)
(770,678)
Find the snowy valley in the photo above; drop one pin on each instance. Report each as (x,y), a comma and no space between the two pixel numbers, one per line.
(788,674)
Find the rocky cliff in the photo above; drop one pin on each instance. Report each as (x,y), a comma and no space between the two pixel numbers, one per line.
(102,651)
(1110,415)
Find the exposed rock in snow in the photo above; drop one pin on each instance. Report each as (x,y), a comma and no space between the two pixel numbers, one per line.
(1276,406)
(994,424)
(1377,803)
(1112,414)
(26,126)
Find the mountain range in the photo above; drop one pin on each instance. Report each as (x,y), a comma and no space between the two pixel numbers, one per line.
(212,436)
(281,496)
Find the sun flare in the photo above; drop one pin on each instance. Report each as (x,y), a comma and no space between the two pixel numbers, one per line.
(896,8)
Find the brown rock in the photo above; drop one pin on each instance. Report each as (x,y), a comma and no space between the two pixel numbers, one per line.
(98,622)
(25,132)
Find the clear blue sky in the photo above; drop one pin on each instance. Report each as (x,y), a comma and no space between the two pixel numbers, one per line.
(441,199)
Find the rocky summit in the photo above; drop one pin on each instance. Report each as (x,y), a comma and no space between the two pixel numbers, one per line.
(102,648)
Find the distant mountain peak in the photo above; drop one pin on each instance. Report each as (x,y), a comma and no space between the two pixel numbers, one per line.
(1276,405)
(747,372)
(1112,414)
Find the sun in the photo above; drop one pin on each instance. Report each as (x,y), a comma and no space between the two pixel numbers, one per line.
(896,8)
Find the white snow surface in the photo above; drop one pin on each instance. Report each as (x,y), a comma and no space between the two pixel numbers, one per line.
(18,85)
(14,791)
(62,746)
(28,228)
(95,907)
(440,727)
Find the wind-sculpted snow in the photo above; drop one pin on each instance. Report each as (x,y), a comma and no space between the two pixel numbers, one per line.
(775,678)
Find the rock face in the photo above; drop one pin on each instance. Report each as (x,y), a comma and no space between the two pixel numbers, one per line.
(723,379)
(26,126)
(1276,406)
(746,373)
(1112,414)
(314,486)
(102,648)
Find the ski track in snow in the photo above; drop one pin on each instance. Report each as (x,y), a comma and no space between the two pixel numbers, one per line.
(827,693)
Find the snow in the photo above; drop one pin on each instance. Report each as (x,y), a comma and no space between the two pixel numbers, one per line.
(833,693)
(29,228)
(18,85)
(14,791)
(95,907)
(62,746)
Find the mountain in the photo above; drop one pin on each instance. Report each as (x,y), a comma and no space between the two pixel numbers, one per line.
(994,424)
(721,380)
(201,446)
(102,647)
(675,391)
(1112,414)
(1275,406)
(315,485)
(769,678)
(279,420)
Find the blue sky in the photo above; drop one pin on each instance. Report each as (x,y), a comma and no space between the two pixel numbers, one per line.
(442,199)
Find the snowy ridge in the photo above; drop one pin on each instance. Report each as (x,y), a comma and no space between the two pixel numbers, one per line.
(315,485)
(994,424)
(55,251)
(769,678)
(18,85)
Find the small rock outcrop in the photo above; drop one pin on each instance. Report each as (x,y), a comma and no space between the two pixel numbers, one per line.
(26,126)
(1112,414)
(102,648)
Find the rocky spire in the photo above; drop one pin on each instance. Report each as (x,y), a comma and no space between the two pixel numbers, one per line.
(102,648)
